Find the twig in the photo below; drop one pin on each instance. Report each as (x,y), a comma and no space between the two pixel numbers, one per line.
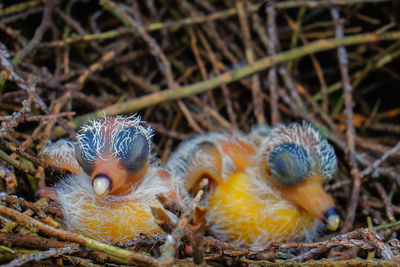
(379,161)
(249,51)
(229,76)
(173,240)
(37,256)
(17,164)
(135,258)
(361,238)
(31,242)
(37,37)
(38,207)
(19,7)
(197,241)
(386,201)
(165,66)
(10,179)
(170,205)
(350,132)
(272,47)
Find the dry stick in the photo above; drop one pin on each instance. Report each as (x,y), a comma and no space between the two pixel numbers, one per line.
(17,164)
(19,7)
(191,11)
(295,90)
(160,128)
(31,242)
(135,258)
(78,83)
(229,76)
(10,180)
(386,201)
(201,19)
(172,241)
(204,76)
(155,50)
(37,256)
(169,143)
(37,37)
(75,25)
(360,238)
(170,204)
(9,74)
(255,79)
(77,261)
(36,207)
(189,118)
(349,117)
(272,46)
(216,70)
(198,228)
(318,70)
(378,61)
(357,262)
(377,162)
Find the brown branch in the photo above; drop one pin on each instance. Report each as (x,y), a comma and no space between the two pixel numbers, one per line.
(272,47)
(350,132)
(32,242)
(135,258)
(229,76)
(379,161)
(37,37)
(37,256)
(249,51)
(164,66)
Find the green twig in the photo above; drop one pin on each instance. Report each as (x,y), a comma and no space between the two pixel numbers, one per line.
(228,77)
(19,7)
(385,226)
(134,258)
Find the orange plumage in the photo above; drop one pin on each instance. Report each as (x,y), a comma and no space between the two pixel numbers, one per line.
(114,180)
(264,187)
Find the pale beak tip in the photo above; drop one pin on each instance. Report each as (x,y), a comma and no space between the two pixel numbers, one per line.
(101,185)
(331,219)
(333,222)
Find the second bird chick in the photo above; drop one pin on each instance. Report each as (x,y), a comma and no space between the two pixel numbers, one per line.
(113,181)
(263,187)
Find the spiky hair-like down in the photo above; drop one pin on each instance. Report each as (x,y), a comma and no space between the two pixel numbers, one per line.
(92,138)
(111,218)
(323,157)
(249,200)
(188,152)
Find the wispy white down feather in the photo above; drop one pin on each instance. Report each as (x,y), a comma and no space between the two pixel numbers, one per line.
(80,205)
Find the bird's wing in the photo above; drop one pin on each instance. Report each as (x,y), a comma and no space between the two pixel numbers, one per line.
(62,154)
(197,160)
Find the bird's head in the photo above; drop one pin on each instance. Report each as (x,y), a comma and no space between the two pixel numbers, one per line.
(114,152)
(297,161)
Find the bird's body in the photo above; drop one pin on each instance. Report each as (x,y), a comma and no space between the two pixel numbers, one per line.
(246,206)
(111,218)
(113,185)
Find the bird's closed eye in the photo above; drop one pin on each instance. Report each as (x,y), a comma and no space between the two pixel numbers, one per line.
(289,164)
(132,147)
(85,151)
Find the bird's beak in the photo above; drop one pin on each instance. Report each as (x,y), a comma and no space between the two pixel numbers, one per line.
(311,196)
(109,177)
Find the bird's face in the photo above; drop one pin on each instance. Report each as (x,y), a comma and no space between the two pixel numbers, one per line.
(297,162)
(114,152)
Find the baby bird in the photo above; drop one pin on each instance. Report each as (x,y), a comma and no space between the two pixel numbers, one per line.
(113,181)
(263,187)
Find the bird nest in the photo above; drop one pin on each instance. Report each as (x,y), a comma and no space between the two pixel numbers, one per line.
(191,67)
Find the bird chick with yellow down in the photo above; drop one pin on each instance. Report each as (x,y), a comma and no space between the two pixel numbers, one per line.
(114,180)
(263,187)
